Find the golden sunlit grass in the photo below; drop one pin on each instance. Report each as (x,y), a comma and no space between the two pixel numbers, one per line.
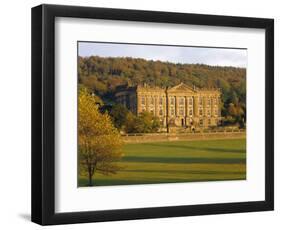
(178,161)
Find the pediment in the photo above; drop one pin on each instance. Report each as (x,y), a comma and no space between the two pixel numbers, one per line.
(182,88)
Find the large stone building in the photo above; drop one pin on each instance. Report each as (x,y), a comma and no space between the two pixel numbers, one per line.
(178,106)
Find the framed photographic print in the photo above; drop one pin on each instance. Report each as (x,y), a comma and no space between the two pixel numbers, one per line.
(142,114)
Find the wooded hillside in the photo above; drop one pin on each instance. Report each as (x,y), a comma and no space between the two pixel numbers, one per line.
(103,75)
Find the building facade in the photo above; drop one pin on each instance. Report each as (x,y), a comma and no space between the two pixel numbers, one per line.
(178,106)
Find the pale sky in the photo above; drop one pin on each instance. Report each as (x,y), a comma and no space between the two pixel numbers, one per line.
(174,54)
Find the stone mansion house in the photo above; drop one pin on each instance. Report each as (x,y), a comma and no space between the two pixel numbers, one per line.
(178,106)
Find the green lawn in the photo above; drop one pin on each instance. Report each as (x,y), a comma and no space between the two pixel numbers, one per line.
(178,161)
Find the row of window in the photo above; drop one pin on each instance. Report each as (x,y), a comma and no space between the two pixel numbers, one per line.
(181,100)
(208,112)
(208,101)
(181,111)
(201,122)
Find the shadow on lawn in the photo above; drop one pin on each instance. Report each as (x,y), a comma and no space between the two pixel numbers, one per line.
(109,182)
(199,172)
(184,160)
(209,149)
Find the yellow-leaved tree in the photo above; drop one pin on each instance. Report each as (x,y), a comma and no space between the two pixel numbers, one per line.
(100,144)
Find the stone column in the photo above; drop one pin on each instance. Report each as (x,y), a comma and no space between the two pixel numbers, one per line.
(219,106)
(195,106)
(168,105)
(156,105)
(186,106)
(176,106)
(147,103)
(204,106)
(212,107)
(167,110)
(164,106)
(186,111)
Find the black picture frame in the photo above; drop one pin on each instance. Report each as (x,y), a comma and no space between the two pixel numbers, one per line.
(43,114)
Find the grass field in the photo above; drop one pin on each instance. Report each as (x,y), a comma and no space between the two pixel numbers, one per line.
(178,161)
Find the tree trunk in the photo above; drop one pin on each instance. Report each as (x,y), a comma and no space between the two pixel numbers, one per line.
(90,176)
(90,180)
(91,172)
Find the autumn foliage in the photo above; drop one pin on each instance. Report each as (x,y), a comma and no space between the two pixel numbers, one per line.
(100,144)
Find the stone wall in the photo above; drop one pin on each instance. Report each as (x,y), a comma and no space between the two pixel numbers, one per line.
(163,137)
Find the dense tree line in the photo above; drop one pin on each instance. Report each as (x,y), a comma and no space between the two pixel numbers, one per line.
(103,75)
